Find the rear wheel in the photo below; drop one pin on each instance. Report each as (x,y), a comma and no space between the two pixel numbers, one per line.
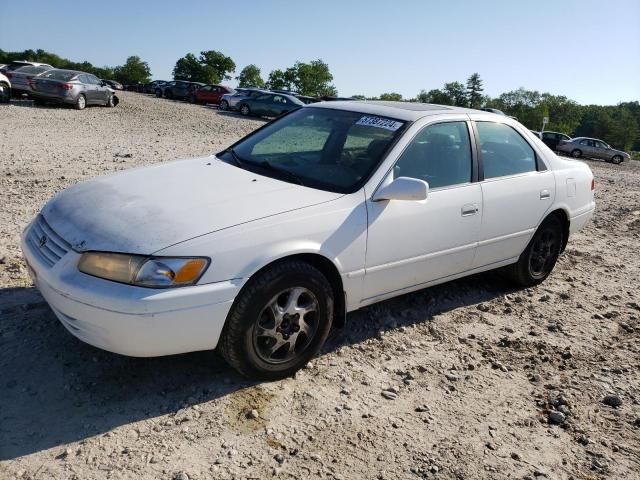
(576,153)
(279,321)
(224,105)
(81,102)
(617,159)
(245,110)
(538,259)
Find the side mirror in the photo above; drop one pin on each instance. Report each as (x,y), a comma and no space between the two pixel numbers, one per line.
(403,188)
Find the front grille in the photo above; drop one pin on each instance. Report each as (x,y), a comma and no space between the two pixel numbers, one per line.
(46,243)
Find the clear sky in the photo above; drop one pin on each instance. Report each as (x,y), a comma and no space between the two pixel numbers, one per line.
(587,50)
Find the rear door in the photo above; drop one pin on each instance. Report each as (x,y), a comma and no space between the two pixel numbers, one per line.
(517,191)
(88,88)
(600,150)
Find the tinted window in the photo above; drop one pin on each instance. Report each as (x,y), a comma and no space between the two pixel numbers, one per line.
(329,149)
(504,151)
(63,75)
(440,155)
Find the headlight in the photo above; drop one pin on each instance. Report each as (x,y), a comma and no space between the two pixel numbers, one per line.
(154,272)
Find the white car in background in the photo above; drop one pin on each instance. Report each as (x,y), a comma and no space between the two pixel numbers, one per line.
(259,249)
(21,77)
(5,89)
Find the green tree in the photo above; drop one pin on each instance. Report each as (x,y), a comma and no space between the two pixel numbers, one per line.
(474,91)
(282,79)
(456,93)
(391,97)
(210,67)
(312,79)
(358,97)
(133,71)
(216,66)
(250,77)
(188,68)
(436,96)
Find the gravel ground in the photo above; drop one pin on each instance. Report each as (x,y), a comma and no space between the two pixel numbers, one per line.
(472,379)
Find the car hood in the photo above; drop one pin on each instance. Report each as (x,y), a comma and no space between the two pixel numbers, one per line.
(148,209)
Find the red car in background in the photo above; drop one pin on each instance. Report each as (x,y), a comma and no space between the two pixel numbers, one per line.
(211,93)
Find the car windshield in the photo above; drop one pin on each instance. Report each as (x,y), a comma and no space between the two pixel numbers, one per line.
(334,150)
(63,75)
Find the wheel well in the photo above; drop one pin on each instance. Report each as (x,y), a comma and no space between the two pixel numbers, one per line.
(564,219)
(329,270)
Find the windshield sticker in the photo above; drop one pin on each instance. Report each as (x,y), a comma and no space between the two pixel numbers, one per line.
(379,122)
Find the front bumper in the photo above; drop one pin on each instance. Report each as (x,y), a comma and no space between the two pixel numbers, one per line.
(129,320)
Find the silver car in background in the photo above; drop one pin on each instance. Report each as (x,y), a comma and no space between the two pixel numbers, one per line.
(231,101)
(592,147)
(20,77)
(72,87)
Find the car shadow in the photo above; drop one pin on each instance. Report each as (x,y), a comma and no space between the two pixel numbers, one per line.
(57,390)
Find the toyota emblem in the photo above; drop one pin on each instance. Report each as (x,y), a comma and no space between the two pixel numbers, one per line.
(43,241)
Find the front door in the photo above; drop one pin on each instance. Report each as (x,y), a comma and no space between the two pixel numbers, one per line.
(411,243)
(517,191)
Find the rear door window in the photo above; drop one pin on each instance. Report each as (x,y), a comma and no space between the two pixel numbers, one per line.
(503,151)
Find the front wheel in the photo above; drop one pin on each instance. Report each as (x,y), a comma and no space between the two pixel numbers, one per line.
(278,322)
(112,101)
(245,110)
(81,102)
(224,105)
(538,259)
(617,159)
(5,93)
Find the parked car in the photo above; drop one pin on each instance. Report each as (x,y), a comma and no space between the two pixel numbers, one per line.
(151,87)
(269,105)
(182,90)
(11,66)
(231,101)
(113,84)
(5,89)
(137,87)
(552,139)
(72,87)
(212,93)
(592,147)
(328,209)
(20,77)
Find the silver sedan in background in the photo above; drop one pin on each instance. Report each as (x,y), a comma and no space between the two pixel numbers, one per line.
(593,148)
(20,77)
(72,87)
(231,101)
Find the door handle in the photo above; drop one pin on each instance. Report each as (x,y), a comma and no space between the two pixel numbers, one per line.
(469,209)
(545,194)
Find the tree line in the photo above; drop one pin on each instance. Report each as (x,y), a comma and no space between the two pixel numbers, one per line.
(618,125)
(133,71)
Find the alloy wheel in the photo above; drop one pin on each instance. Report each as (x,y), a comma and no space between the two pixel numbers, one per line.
(286,325)
(543,253)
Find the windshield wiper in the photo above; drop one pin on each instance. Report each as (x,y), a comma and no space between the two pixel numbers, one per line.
(290,175)
(236,158)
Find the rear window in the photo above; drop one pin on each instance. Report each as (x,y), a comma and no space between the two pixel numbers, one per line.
(62,75)
(31,70)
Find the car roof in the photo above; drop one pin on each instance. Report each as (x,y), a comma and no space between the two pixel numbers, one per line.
(409,111)
(75,72)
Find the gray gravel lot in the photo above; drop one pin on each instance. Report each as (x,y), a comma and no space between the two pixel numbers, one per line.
(472,379)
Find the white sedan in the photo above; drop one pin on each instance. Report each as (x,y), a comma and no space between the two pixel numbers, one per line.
(258,249)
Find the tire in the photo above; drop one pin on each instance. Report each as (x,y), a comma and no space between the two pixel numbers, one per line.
(168,94)
(5,93)
(192,99)
(617,159)
(538,259)
(81,102)
(224,105)
(577,153)
(263,311)
(111,101)
(159,93)
(245,110)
